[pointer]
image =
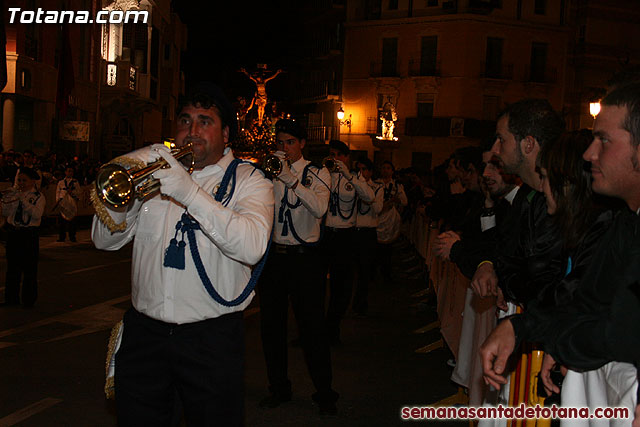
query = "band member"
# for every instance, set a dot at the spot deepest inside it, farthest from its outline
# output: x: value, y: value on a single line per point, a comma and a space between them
x: 366, y: 237
x: 193, y: 248
x: 23, y: 210
x: 293, y: 272
x: 389, y: 220
x: 67, y: 195
x: 346, y: 189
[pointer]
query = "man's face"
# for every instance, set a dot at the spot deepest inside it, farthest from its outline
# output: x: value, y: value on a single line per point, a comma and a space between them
x: 291, y: 145
x: 453, y: 172
x: 336, y: 154
x: 469, y: 179
x: 24, y: 182
x: 203, y: 127
x: 386, y: 171
x: 28, y: 159
x: 68, y: 173
x: 507, y: 148
x: 614, y: 161
x: 492, y: 175
x: 364, y: 171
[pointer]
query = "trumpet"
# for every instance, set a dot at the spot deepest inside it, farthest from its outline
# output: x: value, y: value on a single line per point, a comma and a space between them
x: 117, y: 186
x: 9, y: 195
x: 330, y: 163
x: 272, y: 165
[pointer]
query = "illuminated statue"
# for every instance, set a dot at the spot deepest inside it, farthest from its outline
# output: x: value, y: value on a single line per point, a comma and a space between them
x: 241, y: 111
x: 260, y: 97
x: 388, y: 116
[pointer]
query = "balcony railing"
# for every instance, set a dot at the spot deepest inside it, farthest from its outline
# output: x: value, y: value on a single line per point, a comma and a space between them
x: 503, y: 72
x: 384, y: 69
x: 322, y: 133
x: 418, y: 68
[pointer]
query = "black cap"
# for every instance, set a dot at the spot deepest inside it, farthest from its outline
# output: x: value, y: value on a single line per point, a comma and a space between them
x: 208, y: 94
x: 291, y: 127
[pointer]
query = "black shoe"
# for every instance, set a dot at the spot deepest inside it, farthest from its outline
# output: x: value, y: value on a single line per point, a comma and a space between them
x: 274, y: 400
x: 328, y: 409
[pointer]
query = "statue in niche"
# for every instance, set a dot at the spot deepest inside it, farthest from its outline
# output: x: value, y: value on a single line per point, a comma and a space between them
x: 388, y: 116
x: 259, y: 77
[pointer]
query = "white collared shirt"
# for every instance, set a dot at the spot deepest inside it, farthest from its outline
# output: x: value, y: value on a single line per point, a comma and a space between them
x: 66, y: 185
x: 345, y: 194
x: 306, y: 205
x: 31, y: 203
x: 231, y: 240
x: 367, y: 213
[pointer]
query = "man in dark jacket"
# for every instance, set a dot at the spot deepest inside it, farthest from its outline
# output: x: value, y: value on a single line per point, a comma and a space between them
x: 602, y: 322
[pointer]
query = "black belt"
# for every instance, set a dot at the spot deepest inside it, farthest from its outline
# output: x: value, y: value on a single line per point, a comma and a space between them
x: 166, y: 328
x: 340, y: 230
x: 292, y: 249
x: 365, y: 228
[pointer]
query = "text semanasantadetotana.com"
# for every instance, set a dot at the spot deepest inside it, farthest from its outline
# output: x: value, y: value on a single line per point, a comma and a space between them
x: 518, y: 412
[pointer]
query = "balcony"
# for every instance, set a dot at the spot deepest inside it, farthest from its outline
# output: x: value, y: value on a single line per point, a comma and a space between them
x: 321, y: 133
x: 384, y: 69
x: 548, y: 76
x: 441, y: 127
x: 417, y: 68
x: 503, y: 72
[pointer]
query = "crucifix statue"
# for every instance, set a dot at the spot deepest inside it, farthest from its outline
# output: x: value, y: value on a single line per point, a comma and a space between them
x: 260, y: 78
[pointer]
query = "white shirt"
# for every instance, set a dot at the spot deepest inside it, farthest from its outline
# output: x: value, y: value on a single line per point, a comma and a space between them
x: 231, y: 240
x: 31, y: 203
x: 367, y: 213
x: 345, y: 193
x: 67, y: 185
x: 307, y: 204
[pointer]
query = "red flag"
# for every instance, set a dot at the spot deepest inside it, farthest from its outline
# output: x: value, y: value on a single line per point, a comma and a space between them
x: 66, y: 80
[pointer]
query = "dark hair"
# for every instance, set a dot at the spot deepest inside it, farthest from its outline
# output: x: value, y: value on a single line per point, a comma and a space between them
x: 29, y: 152
x: 570, y: 183
x: 388, y: 162
x: 533, y: 117
x: 467, y: 156
x: 627, y: 96
x: 32, y: 174
x: 366, y: 162
x: 209, y: 95
x: 340, y: 146
x: 291, y: 127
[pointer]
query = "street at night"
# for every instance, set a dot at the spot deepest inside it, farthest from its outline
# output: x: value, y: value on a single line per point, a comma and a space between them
x: 52, y: 357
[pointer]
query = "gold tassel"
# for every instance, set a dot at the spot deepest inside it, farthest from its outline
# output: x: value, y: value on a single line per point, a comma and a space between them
x: 109, y: 385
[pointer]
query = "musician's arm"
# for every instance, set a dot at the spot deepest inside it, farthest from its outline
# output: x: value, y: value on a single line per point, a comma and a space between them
x: 104, y: 239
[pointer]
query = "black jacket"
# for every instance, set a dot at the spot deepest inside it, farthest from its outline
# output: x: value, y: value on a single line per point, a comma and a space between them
x: 601, y: 323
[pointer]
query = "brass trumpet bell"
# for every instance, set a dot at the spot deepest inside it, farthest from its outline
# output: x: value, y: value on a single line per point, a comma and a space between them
x: 117, y: 186
x: 272, y: 165
x: 330, y: 163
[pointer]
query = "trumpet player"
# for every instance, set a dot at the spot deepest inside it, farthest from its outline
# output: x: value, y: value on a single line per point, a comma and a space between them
x: 339, y: 244
x: 196, y: 237
x: 293, y: 271
x: 23, y: 211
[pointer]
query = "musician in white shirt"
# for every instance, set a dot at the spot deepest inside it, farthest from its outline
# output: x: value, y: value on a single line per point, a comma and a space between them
x: 184, y: 334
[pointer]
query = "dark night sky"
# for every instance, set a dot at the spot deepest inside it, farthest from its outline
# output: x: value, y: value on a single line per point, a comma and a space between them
x: 226, y: 35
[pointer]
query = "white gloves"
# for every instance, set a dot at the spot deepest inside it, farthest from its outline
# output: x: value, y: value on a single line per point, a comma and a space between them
x: 286, y: 176
x: 175, y: 181
x: 344, y: 170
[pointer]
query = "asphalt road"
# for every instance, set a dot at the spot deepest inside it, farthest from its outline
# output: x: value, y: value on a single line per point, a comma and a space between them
x: 52, y: 357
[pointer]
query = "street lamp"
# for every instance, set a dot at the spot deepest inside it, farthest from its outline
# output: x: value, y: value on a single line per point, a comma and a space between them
x: 594, y: 109
x: 343, y: 122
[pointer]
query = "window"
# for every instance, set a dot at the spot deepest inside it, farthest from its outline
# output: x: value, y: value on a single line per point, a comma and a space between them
x: 425, y: 105
x: 389, y: 56
x: 428, y: 55
x: 393, y: 4
x: 134, y: 45
x: 538, y: 62
x: 540, y: 7
x: 493, y: 64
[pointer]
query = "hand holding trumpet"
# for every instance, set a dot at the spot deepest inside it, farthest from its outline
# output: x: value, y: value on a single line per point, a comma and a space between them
x: 175, y: 181
x: 285, y: 175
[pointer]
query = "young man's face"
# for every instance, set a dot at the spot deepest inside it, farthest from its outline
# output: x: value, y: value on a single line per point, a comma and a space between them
x: 336, y: 154
x: 386, y: 171
x: 364, y: 171
x: 203, y: 127
x: 291, y: 145
x: 614, y: 161
x: 68, y: 173
x: 507, y: 148
x: 24, y: 182
x: 492, y: 175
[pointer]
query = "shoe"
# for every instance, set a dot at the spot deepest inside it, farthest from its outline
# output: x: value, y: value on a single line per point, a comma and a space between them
x: 327, y: 409
x: 274, y: 400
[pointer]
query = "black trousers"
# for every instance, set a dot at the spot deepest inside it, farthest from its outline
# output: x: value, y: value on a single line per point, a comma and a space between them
x: 67, y: 227
x: 23, y: 250
x: 201, y: 363
x: 339, y: 250
x: 384, y: 261
x: 366, y: 243
x: 295, y: 274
